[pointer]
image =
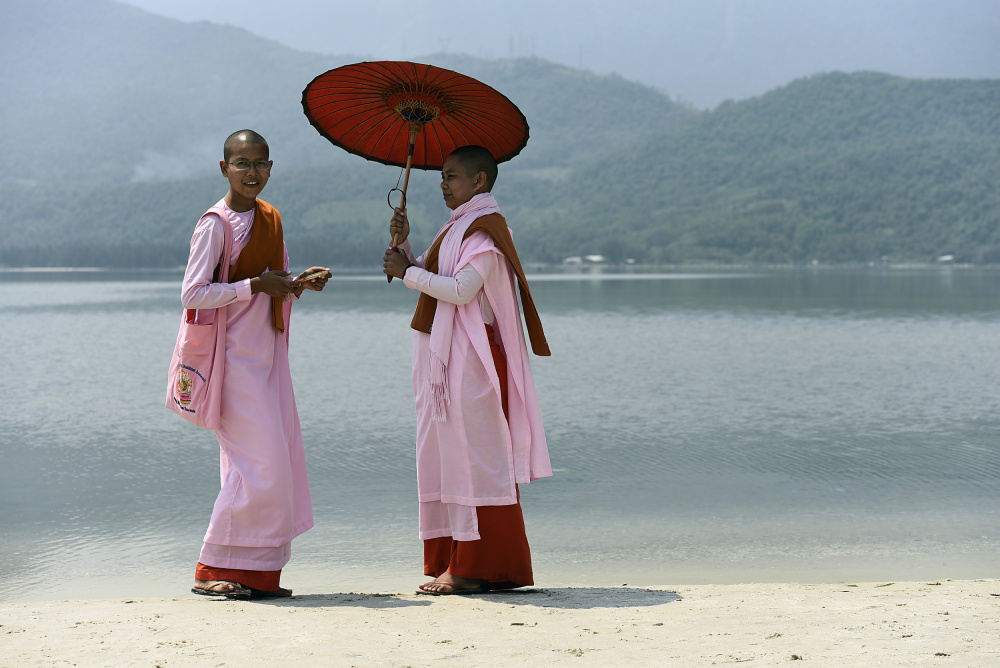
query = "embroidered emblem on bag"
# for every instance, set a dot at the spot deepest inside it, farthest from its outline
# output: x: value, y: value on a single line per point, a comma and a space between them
x: 183, y: 386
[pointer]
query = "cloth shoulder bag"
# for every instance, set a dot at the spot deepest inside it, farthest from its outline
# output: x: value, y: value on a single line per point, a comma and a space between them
x: 194, y: 381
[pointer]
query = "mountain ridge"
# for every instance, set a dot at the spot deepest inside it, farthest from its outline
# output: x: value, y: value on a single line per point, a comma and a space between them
x: 837, y: 167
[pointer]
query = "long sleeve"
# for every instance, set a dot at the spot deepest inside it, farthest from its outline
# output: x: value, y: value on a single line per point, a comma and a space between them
x: 466, y: 285
x: 198, y: 291
x: 458, y: 290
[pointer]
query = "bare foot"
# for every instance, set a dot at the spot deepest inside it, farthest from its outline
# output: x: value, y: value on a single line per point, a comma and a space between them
x: 220, y: 588
x: 452, y: 584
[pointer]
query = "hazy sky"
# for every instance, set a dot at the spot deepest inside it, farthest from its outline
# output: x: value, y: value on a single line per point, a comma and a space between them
x: 701, y: 50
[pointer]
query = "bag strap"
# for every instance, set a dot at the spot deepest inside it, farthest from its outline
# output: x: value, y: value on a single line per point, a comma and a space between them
x: 227, y: 244
x: 227, y: 254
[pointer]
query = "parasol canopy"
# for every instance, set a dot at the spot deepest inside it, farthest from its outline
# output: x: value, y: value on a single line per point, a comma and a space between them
x: 375, y: 109
x: 411, y: 115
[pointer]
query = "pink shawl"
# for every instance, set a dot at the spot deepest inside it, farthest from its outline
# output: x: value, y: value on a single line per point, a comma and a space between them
x: 450, y: 260
x: 453, y: 435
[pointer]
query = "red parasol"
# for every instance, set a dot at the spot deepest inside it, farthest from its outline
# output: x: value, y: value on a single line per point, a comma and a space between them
x: 411, y: 115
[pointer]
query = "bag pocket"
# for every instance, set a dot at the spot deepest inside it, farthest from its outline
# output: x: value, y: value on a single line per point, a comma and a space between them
x: 195, y: 338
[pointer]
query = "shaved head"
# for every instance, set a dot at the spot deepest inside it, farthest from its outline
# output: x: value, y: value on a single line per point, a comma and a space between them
x: 477, y: 159
x: 241, y: 138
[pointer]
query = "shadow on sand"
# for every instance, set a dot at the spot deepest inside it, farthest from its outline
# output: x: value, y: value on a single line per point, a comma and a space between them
x: 585, y: 598
x: 569, y: 598
x: 356, y: 600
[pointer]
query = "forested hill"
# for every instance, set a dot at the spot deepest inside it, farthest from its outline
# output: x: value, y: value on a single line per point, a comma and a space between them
x: 836, y: 167
x: 102, y: 93
x: 112, y: 123
x: 112, y: 134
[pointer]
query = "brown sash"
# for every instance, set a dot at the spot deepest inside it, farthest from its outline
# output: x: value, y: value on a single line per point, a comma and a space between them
x: 494, y: 225
x: 264, y: 252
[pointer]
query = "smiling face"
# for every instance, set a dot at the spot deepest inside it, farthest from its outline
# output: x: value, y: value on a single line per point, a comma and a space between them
x: 245, y: 184
x: 457, y: 185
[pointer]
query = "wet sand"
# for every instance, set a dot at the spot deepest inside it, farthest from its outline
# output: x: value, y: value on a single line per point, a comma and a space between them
x: 940, y: 623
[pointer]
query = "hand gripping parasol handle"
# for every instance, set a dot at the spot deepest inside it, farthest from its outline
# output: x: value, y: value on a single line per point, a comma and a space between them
x: 414, y: 131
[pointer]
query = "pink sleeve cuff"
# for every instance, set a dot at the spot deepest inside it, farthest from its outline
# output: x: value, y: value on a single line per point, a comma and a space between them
x: 243, y: 292
x: 410, y: 277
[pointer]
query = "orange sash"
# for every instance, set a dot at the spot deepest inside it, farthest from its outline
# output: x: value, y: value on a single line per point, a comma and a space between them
x: 264, y: 252
x: 494, y: 225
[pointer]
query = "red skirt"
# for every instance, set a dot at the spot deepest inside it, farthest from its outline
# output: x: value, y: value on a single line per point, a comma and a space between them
x: 263, y: 580
x: 501, y: 555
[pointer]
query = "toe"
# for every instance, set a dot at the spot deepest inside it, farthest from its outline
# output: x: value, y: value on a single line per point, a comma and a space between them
x: 440, y: 588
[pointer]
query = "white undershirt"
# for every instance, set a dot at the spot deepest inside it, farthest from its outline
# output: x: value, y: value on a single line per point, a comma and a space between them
x: 462, y: 289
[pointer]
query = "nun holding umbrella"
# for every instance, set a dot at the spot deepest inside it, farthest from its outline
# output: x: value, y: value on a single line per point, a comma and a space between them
x: 479, y: 427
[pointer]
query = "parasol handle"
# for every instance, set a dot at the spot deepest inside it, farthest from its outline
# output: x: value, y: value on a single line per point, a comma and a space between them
x: 414, y: 131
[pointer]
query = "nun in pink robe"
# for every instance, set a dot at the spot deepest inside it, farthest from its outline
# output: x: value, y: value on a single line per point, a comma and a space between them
x: 264, y: 502
x: 469, y: 454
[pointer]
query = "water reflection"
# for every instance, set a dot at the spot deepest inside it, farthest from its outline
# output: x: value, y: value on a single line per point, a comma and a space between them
x: 696, y: 420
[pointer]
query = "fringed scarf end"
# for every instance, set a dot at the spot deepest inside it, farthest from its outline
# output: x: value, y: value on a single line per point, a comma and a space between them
x: 440, y: 396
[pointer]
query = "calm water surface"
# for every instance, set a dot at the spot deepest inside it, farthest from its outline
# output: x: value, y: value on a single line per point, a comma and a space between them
x: 757, y: 426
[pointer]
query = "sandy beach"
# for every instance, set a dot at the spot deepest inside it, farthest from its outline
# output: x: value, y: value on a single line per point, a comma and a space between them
x: 940, y: 623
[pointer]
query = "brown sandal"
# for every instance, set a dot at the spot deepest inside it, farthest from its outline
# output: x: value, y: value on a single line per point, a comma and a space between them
x: 237, y: 593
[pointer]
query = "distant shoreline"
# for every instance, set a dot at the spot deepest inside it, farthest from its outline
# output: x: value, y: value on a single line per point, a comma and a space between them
x: 584, y: 269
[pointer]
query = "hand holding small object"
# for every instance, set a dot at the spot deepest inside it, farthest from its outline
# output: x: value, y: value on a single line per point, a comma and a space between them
x: 273, y: 283
x: 314, y: 278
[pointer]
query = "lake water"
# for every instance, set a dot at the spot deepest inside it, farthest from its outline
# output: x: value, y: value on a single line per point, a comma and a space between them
x: 819, y: 426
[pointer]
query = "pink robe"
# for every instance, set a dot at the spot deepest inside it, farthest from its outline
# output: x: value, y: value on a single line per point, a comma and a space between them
x: 475, y: 457
x: 264, y: 501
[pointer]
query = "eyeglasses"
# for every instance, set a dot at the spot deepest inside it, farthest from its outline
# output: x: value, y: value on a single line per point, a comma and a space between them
x: 245, y: 165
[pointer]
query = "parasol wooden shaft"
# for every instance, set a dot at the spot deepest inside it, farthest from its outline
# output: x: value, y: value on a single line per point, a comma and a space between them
x: 406, y: 182
x: 414, y: 131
